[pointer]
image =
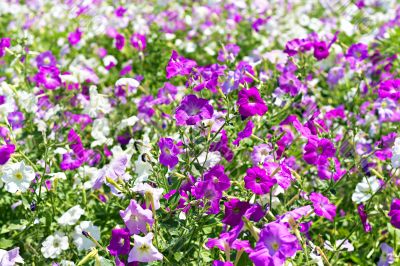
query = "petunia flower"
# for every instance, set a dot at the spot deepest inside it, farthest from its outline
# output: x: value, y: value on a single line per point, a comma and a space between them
x: 138, y: 41
x: 364, y: 218
x: 119, y: 242
x: 4, y: 43
x: 317, y: 151
x: 169, y: 152
x: 216, y: 175
x: 179, y: 65
x: 10, y: 257
x: 234, y: 210
x: 192, y: 110
x: 365, y: 189
x: 80, y: 240
x: 136, y: 218
x: 17, y: 176
x: 143, y: 250
x: 5, y: 153
x: 46, y: 59
x: 71, y: 216
x: 330, y: 170
x: 387, y: 257
x: 256, y: 180
x: 48, y: 77
x: 250, y: 103
x: 394, y: 213
x: 74, y: 37
x: 322, y: 206
x: 54, y: 245
x: 276, y: 243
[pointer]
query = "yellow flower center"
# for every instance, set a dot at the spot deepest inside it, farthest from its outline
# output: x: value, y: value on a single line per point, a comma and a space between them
x: 18, y: 175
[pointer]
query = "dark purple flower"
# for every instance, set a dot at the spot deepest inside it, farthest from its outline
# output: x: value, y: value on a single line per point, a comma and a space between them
x: 119, y: 242
x: 364, y: 218
x: 394, y: 213
x: 250, y: 103
x: 49, y: 77
x: 179, y: 65
x: 317, y: 151
x: 16, y: 119
x: 5, y: 153
x: 192, y: 110
x: 4, y: 43
x: 358, y: 51
x: 276, y: 243
x: 74, y: 37
x: 120, y: 11
x: 234, y: 210
x: 119, y: 41
x: 322, y: 206
x: 245, y: 133
x: 256, y: 180
x: 169, y: 152
x: 138, y: 41
x: 46, y: 59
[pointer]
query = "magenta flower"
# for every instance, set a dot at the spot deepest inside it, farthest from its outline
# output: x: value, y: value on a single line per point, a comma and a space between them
x: 206, y: 191
x: 394, y: 213
x: 321, y: 51
x: 119, y: 242
x: 250, y: 103
x: 4, y: 43
x: 119, y: 41
x: 192, y: 110
x: 280, y: 172
x: 364, y: 218
x: 138, y: 41
x: 322, y: 206
x: 317, y: 151
x: 169, y: 152
x: 390, y: 89
x: 136, y: 218
x: 245, y: 133
x: 218, y: 178
x: 276, y: 243
x: 179, y: 65
x: 49, y: 77
x: 331, y: 170
x: 74, y: 37
x: 16, y: 119
x: 5, y: 153
x: 256, y: 180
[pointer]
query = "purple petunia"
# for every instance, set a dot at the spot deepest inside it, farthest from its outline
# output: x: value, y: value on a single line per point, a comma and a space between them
x: 357, y: 51
x: 74, y: 37
x: 169, y: 152
x: 331, y: 170
x: 317, y: 151
x: 179, y: 65
x: 46, y: 59
x: 234, y: 210
x: 322, y: 206
x: 394, y: 213
x: 245, y: 133
x: 256, y: 180
x: 119, y: 242
x: 364, y: 218
x: 4, y: 43
x: 192, y: 110
x: 276, y: 243
x: 390, y: 89
x: 250, y: 103
x: 119, y: 41
x: 218, y: 178
x: 138, y: 41
x: 5, y: 153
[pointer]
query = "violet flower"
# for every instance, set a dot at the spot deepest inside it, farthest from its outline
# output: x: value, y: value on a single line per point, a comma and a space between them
x: 317, y: 151
x: 136, y: 218
x: 192, y: 110
x: 257, y: 181
x: 169, y: 152
x: 394, y: 213
x: 138, y: 41
x: 179, y: 65
x: 245, y: 133
x: 49, y: 77
x: 5, y: 153
x: 74, y: 37
x: 119, y: 242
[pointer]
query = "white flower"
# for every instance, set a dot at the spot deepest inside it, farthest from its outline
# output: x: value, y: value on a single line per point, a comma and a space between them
x: 365, y: 189
x: 128, y: 122
x: 149, y: 191
x: 17, y: 176
x: 396, y: 153
x: 98, y: 103
x: 143, y: 169
x: 127, y: 82
x: 67, y: 263
x: 143, y: 250
x: 71, y: 216
x: 100, y: 131
x: 81, y: 241
x: 54, y: 245
x: 342, y: 243
x: 209, y: 160
x: 27, y: 101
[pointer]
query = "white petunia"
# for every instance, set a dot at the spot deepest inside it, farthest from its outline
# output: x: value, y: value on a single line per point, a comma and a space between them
x: 149, y: 192
x: 128, y: 122
x: 81, y: 241
x: 340, y: 244
x: 100, y: 132
x: 143, y: 250
x: 27, y: 101
x: 54, y: 245
x: 71, y: 216
x: 396, y: 154
x: 365, y: 189
x: 67, y: 263
x: 98, y: 103
x: 17, y: 176
x: 127, y: 82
